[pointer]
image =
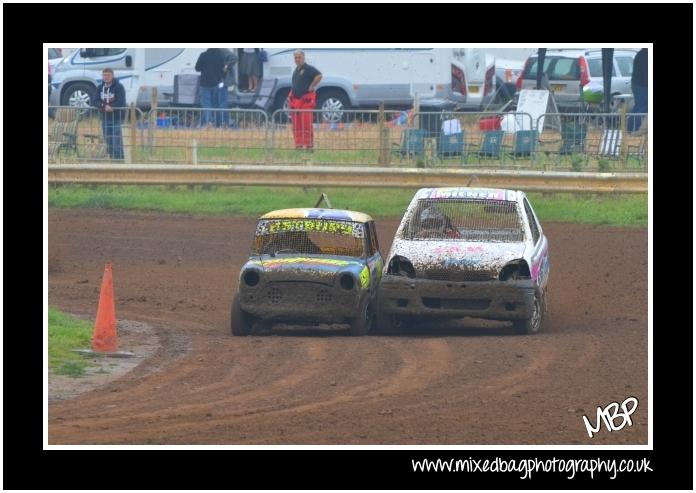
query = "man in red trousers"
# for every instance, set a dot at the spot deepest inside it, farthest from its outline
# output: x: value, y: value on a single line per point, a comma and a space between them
x: 305, y: 80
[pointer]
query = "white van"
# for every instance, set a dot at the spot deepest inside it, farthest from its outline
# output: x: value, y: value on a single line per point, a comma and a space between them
x: 76, y: 78
x: 479, y: 67
x: 352, y: 78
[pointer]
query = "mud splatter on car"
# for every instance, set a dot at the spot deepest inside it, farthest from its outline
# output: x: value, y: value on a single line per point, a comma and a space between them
x: 310, y: 266
x: 467, y: 252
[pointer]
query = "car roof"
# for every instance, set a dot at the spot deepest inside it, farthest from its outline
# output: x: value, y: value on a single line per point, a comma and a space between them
x: 467, y: 193
x: 335, y: 214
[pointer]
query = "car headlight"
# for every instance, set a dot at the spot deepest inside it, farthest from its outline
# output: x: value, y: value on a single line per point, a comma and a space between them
x: 347, y: 282
x: 401, y: 266
x: 251, y: 278
x: 517, y: 269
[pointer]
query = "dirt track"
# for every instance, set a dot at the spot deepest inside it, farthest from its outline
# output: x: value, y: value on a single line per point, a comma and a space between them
x: 462, y: 383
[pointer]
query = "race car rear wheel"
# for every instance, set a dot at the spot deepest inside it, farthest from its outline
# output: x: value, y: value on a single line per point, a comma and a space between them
x: 240, y: 321
x: 532, y: 324
x: 362, y: 324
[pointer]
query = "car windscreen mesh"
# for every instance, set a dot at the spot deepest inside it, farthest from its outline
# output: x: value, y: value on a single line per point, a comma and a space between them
x: 309, y: 236
x: 466, y: 220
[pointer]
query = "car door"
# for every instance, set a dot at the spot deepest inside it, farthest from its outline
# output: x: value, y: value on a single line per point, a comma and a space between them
x: 540, y: 249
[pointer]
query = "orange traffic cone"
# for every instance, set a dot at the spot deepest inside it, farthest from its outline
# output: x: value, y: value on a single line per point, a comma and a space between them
x: 105, y: 339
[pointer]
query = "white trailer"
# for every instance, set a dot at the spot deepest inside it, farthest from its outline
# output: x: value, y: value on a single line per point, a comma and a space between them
x: 443, y: 78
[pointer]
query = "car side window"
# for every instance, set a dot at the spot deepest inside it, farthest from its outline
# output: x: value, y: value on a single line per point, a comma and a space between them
x: 625, y: 65
x: 369, y: 243
x: 532, y: 222
x: 373, y: 238
x: 595, y: 65
x: 107, y: 51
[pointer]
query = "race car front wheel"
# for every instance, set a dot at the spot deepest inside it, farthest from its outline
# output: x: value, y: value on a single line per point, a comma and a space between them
x: 362, y: 324
x: 532, y: 324
x: 240, y: 321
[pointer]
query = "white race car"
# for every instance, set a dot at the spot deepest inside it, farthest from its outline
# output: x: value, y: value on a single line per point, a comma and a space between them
x: 466, y: 252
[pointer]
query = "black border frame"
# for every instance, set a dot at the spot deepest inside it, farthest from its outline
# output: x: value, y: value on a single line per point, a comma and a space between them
x: 26, y: 26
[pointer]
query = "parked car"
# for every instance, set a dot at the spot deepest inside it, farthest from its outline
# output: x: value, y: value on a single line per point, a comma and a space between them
x: 309, y: 266
x: 568, y: 71
x: 49, y: 80
x: 466, y: 252
x: 55, y: 56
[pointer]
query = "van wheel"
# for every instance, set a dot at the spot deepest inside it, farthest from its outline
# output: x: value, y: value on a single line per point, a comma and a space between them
x: 240, y: 321
x: 79, y: 95
x: 332, y: 103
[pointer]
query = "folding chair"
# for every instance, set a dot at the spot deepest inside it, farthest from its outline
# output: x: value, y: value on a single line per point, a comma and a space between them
x: 638, y: 152
x: 451, y: 145
x: 610, y: 143
x: 412, y: 143
x: 573, y: 139
x: 491, y: 145
x: 264, y: 96
x: 525, y: 144
x: 450, y: 142
x: 63, y: 133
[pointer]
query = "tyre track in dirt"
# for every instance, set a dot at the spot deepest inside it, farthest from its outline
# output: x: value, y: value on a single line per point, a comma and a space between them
x: 462, y: 383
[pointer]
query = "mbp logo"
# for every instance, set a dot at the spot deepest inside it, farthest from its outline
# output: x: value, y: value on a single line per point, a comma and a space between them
x: 610, y: 414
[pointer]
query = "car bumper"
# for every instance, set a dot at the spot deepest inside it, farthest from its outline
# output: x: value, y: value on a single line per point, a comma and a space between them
x: 301, y: 302
x: 446, y: 102
x: 493, y: 300
x: 54, y: 98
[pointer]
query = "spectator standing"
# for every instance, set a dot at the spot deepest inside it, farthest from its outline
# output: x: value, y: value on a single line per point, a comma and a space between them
x: 250, y: 66
x: 305, y: 80
x: 211, y: 65
x: 639, y: 86
x: 229, y: 61
x: 110, y: 99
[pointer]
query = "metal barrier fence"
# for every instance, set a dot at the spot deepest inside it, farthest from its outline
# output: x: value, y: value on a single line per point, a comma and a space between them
x: 454, y: 139
x: 88, y: 135
x: 593, y: 142
x: 346, y: 137
x: 195, y: 135
x: 564, y: 141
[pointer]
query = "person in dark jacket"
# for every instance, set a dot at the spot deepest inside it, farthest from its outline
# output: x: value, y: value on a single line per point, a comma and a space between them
x: 211, y: 65
x: 110, y: 99
x: 639, y: 86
